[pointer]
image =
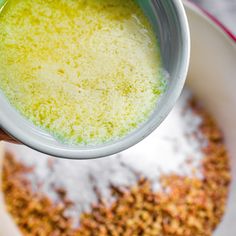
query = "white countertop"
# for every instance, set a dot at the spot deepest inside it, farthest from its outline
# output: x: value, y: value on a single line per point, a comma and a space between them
x: 224, y: 10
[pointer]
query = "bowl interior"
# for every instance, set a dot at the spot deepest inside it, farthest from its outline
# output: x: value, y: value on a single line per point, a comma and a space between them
x: 170, y: 24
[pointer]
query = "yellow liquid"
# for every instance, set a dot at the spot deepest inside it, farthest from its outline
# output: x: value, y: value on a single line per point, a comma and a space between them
x: 87, y: 71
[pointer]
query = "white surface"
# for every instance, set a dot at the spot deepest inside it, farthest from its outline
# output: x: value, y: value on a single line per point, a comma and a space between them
x: 224, y: 10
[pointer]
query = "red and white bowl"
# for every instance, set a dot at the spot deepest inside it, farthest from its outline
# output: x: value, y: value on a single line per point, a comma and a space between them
x: 212, y: 77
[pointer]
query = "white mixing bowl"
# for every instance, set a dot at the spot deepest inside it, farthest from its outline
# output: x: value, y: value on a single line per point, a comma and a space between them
x: 212, y: 77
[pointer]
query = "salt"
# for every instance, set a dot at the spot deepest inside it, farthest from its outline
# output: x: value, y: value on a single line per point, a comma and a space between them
x: 165, y: 151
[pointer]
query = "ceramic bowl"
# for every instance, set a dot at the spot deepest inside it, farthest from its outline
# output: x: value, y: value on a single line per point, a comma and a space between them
x: 171, y: 28
x: 212, y: 79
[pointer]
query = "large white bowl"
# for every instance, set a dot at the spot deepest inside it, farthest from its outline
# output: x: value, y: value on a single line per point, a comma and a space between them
x: 212, y: 77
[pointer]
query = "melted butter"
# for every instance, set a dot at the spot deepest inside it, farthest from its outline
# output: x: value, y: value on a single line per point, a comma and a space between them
x: 87, y: 71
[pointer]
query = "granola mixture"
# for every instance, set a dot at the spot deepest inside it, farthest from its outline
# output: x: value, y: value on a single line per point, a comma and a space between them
x: 186, y: 206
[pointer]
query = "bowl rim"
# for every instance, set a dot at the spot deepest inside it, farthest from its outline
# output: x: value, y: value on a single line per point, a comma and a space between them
x: 217, y: 34
x: 140, y: 133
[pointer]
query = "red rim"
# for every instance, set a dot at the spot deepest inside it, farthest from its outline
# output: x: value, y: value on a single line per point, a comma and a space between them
x: 216, y: 21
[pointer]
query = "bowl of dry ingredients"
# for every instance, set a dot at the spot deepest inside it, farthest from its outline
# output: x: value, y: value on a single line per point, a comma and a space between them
x: 176, y: 182
x: 85, y: 79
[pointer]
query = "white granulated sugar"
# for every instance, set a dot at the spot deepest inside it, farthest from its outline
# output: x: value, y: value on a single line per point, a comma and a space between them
x: 165, y: 151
